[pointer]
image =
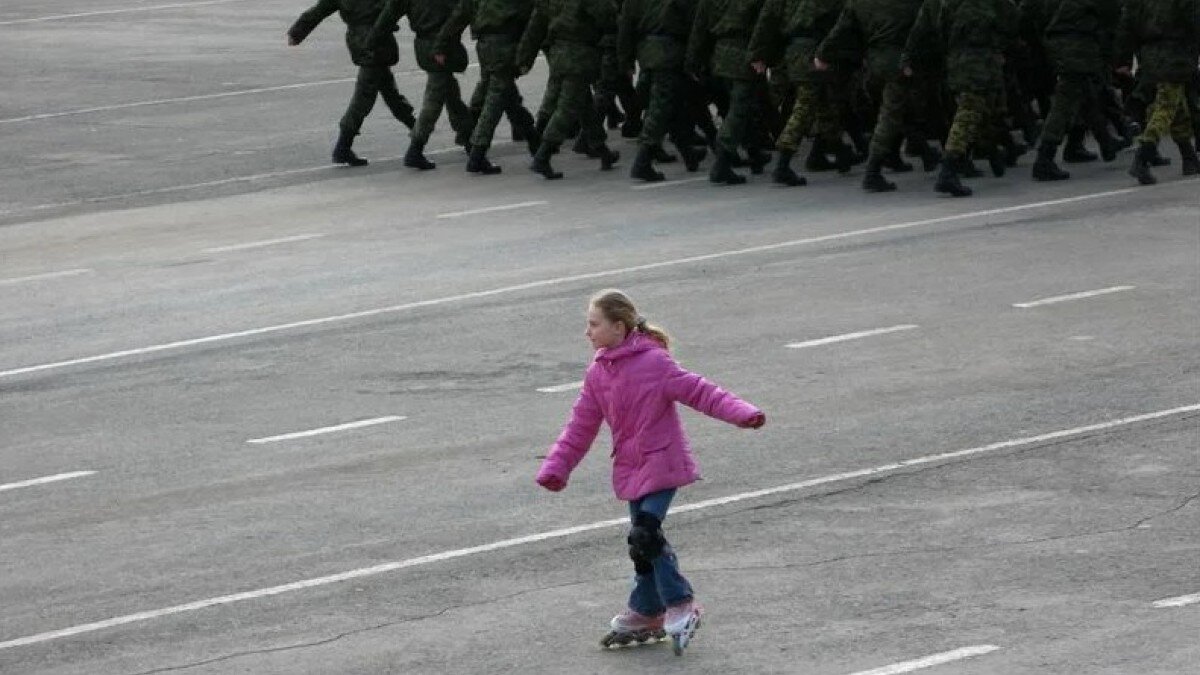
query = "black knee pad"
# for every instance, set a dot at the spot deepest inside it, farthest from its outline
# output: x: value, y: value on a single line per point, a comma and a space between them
x: 646, y: 541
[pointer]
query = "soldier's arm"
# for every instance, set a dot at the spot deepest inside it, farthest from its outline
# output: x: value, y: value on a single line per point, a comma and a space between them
x: 921, y: 38
x: 700, y: 42
x: 766, y: 33
x: 532, y: 39
x: 627, y: 37
x: 310, y: 19
x: 388, y: 20
x: 453, y: 29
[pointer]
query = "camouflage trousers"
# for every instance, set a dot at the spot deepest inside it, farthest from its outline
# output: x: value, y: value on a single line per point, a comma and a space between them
x: 815, y: 112
x: 573, y: 109
x: 663, y: 110
x: 498, y: 96
x: 373, y: 82
x: 975, y: 121
x: 442, y: 91
x: 1075, y: 95
x: 899, y: 107
x: 1168, y: 114
x: 549, y: 98
x: 736, y: 125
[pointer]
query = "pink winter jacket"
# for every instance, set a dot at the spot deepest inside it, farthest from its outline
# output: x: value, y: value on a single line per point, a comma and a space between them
x: 634, y: 387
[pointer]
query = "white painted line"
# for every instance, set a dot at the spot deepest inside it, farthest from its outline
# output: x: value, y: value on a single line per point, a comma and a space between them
x: 850, y: 336
x: 669, y: 183
x: 327, y: 430
x: 126, y: 10
x: 1181, y: 601
x: 490, y: 209
x: 556, y: 281
x: 559, y: 388
x: 1073, y: 296
x: 261, y: 244
x: 569, y: 531
x: 46, y: 479
x: 43, y: 277
x: 930, y: 661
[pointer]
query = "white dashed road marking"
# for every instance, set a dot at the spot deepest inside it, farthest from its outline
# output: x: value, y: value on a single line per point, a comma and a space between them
x: 45, y: 479
x: 1072, y: 296
x: 930, y: 661
x: 850, y: 336
x: 327, y: 430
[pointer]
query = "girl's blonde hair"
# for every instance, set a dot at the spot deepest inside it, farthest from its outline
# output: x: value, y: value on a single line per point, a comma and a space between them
x: 618, y: 308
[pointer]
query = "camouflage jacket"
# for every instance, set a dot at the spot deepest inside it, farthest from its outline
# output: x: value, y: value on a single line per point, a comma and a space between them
x: 496, y: 26
x: 654, y: 33
x: 426, y: 18
x: 1165, y: 36
x: 1077, y: 35
x: 965, y: 38
x: 879, y: 27
x: 573, y: 31
x: 719, y: 39
x: 793, y: 29
x: 368, y: 29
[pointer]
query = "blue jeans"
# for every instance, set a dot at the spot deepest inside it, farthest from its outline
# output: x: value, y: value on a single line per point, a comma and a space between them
x: 665, y: 585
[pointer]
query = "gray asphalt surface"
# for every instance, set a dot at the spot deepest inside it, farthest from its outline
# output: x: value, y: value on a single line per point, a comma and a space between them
x: 139, y: 345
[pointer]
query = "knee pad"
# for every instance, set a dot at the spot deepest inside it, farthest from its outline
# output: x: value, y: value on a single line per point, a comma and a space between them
x: 646, y: 541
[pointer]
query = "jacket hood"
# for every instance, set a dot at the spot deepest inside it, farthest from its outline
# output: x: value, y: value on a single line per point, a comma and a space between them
x: 634, y: 343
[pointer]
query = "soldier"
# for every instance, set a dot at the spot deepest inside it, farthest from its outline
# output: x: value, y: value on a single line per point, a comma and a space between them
x: 374, y: 50
x: 882, y: 27
x: 426, y: 18
x: 1165, y: 36
x: 573, y: 31
x: 1077, y: 35
x: 496, y: 26
x: 795, y: 28
x: 970, y: 36
x: 718, y: 44
x: 654, y: 33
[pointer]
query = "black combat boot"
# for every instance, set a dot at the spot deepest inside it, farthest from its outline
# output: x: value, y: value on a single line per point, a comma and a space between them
x: 948, y: 181
x: 1109, y: 145
x: 844, y: 158
x: 1044, y: 167
x: 722, y: 172
x: 1190, y: 163
x: 541, y: 163
x: 816, y: 160
x: 783, y: 173
x: 1074, y: 152
x: 662, y: 156
x: 758, y: 160
x: 415, y: 157
x: 997, y: 161
x: 643, y: 166
x: 607, y: 157
x: 891, y: 161
x: 873, y: 180
x: 1141, y: 164
x: 478, y: 163
x: 533, y: 139
x: 342, y: 154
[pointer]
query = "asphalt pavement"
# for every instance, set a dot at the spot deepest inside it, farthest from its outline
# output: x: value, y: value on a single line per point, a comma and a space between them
x: 266, y: 415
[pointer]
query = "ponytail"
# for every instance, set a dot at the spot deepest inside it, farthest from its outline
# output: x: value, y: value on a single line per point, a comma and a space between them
x: 618, y: 308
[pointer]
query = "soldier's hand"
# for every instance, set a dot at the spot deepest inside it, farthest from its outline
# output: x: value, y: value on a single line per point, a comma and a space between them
x: 439, y: 59
x: 759, y: 67
x: 818, y: 64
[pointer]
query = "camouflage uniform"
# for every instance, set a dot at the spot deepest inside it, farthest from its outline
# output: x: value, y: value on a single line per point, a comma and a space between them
x: 496, y: 26
x: 1077, y: 36
x: 572, y: 32
x: 881, y: 27
x: 969, y: 37
x: 718, y: 44
x: 426, y: 17
x: 1165, y: 37
x: 374, y: 50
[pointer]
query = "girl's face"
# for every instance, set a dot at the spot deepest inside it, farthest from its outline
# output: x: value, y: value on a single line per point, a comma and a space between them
x: 601, y: 332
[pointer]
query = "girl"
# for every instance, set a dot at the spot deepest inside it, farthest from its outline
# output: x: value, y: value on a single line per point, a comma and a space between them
x: 633, y: 385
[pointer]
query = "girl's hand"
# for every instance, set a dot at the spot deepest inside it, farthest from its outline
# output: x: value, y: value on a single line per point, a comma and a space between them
x: 552, y: 483
x: 755, y: 422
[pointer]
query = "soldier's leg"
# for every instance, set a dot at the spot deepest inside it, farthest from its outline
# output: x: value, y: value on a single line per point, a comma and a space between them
x: 1167, y: 114
x: 461, y: 120
x: 885, y: 141
x: 828, y: 123
x: 659, y: 117
x: 495, y: 85
x: 733, y: 131
x: 1183, y: 132
x: 478, y: 96
x: 549, y: 101
x: 969, y: 118
x: 520, y: 118
x: 401, y: 109
x: 366, y: 89
x: 1069, y: 93
x: 800, y: 121
x: 436, y: 87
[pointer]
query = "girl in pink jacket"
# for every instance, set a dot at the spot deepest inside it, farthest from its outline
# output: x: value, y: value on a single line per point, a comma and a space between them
x: 633, y: 385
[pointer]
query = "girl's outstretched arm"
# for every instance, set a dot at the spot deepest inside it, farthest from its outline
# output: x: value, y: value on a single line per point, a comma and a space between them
x: 574, y: 441
x: 696, y: 392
